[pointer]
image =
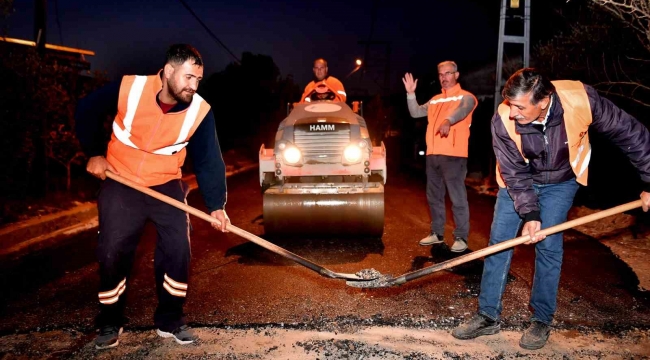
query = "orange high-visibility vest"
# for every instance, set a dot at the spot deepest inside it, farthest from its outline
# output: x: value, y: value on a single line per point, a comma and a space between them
x: 147, y: 146
x: 332, y: 83
x: 577, y: 118
x: 440, y: 107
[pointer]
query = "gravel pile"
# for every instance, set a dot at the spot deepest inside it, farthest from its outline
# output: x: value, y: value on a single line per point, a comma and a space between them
x: 379, y: 281
x: 348, y: 349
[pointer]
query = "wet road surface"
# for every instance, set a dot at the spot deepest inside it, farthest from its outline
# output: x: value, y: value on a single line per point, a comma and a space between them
x: 239, y: 284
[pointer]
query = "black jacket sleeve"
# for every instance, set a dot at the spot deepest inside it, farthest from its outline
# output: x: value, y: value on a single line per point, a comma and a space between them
x: 90, y: 114
x: 515, y: 172
x: 209, y: 166
x: 624, y: 131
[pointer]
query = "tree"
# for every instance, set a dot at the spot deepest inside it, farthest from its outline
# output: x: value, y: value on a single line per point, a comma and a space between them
x: 37, y: 101
x: 633, y: 13
x: 609, y: 54
x: 249, y: 100
x: 636, y: 15
x: 61, y: 144
x: 6, y: 8
x: 63, y: 147
x: 379, y: 115
x: 597, y: 47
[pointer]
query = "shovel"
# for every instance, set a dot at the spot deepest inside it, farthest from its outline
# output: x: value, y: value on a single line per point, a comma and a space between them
x: 246, y: 235
x: 386, y: 281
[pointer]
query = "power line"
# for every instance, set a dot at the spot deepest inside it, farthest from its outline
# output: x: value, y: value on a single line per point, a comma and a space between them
x: 209, y: 31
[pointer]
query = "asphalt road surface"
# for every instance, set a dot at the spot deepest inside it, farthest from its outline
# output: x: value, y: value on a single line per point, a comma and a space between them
x: 238, y: 285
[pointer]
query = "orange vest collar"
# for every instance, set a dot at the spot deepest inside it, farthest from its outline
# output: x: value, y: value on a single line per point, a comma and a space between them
x: 453, y: 91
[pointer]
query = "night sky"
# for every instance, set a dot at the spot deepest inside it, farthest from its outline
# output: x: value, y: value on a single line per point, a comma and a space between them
x: 131, y: 37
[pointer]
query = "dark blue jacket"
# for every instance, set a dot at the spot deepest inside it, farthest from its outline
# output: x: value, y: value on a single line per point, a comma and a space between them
x: 547, y: 151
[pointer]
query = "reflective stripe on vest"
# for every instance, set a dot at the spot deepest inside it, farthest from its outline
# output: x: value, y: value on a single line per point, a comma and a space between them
x: 190, y: 117
x: 135, y: 93
x: 577, y: 118
x: 441, y: 107
x: 447, y: 99
x: 132, y: 105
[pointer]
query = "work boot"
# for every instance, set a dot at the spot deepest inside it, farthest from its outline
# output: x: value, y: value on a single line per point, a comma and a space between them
x: 477, y: 326
x: 535, y: 336
x: 109, y: 337
x: 182, y: 335
x: 460, y: 244
x: 431, y: 239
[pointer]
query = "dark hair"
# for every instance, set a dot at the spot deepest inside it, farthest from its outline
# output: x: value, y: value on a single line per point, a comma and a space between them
x: 177, y: 54
x: 528, y: 80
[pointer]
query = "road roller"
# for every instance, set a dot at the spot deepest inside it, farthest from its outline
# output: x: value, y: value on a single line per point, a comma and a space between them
x: 323, y: 175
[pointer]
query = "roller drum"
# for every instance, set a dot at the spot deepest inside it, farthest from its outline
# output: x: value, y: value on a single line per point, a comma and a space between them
x: 324, y: 214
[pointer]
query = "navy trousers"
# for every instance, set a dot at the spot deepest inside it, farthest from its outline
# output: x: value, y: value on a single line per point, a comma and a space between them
x: 123, y: 213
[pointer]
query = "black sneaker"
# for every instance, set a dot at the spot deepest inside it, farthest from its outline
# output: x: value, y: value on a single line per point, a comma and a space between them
x: 183, y: 335
x: 477, y: 326
x: 109, y: 337
x: 535, y: 336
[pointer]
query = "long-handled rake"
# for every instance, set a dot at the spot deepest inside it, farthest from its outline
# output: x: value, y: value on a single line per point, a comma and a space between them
x: 386, y: 281
x: 359, y: 276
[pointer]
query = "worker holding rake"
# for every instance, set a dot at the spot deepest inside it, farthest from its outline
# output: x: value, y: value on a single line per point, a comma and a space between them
x: 156, y: 118
x: 541, y: 142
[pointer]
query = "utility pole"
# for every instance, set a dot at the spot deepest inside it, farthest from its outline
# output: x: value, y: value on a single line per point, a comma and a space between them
x: 511, y: 39
x: 40, y: 25
x: 375, y: 63
x: 40, y: 38
x: 515, y: 10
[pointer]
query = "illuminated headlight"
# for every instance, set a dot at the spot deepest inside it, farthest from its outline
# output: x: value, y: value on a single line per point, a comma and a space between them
x: 352, y: 153
x: 282, y: 146
x: 291, y: 155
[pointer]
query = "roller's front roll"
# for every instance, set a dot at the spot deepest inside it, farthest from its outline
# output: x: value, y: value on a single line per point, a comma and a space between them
x: 325, y: 213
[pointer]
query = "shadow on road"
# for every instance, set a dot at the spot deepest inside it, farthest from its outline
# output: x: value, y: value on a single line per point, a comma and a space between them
x: 331, y: 250
x: 30, y: 272
x: 441, y: 253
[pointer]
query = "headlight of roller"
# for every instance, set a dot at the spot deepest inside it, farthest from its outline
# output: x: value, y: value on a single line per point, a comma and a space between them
x: 291, y: 155
x: 352, y: 153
